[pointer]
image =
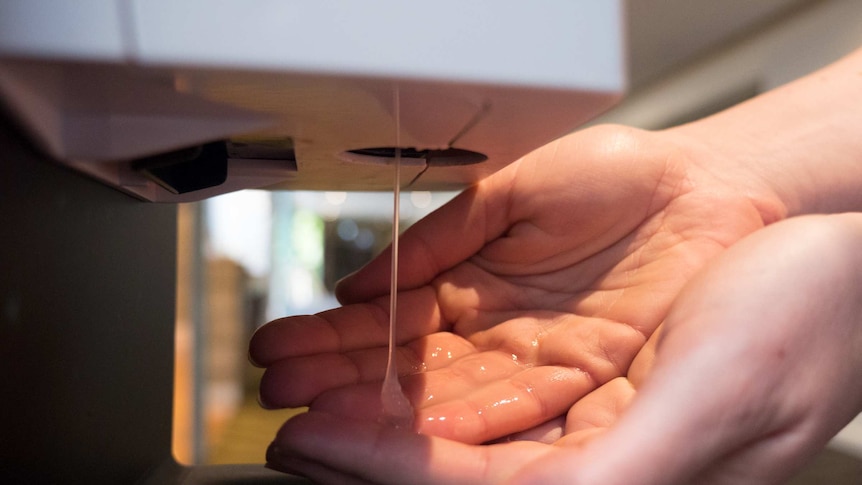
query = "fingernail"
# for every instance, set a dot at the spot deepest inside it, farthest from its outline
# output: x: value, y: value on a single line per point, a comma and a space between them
x: 273, y: 452
x: 262, y: 403
x: 280, y: 460
x: 253, y: 362
x: 275, y: 459
x: 339, y: 289
x: 344, y: 278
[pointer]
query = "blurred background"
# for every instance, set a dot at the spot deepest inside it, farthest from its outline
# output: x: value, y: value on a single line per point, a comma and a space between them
x: 246, y: 258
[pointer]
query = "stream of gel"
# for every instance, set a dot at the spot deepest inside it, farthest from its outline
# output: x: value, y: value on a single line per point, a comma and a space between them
x: 397, y: 411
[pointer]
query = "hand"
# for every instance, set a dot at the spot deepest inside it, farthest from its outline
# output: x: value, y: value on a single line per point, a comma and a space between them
x: 739, y: 392
x: 544, y: 282
x: 524, y: 294
x: 757, y: 367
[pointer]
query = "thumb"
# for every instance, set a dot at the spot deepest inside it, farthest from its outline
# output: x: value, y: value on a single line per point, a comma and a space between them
x: 449, y: 235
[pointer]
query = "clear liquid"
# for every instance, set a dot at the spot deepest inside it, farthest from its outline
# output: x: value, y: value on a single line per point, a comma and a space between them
x: 397, y: 411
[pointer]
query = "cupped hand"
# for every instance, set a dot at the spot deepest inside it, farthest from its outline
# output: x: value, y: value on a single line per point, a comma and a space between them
x: 755, y: 367
x: 525, y: 293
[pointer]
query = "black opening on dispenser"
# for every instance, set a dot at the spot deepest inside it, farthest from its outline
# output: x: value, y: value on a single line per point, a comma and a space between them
x: 188, y: 169
x: 448, y: 157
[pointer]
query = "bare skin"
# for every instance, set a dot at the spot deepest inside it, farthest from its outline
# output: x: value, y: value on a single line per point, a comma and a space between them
x: 493, y: 300
x: 799, y: 380
x: 530, y: 307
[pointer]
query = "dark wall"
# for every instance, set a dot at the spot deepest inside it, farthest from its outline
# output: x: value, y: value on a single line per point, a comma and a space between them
x: 87, y: 278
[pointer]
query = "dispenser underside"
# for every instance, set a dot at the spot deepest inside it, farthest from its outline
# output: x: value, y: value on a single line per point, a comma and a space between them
x: 179, y: 101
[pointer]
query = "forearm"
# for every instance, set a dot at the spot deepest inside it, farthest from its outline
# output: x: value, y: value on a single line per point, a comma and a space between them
x: 801, y: 141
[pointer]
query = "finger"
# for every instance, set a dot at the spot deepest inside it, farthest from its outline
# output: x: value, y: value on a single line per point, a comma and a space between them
x: 486, y: 395
x: 602, y: 348
x: 600, y: 408
x: 592, y: 415
x: 643, y: 361
x: 655, y: 430
x: 548, y: 432
x: 500, y: 408
x: 488, y: 412
x: 444, y: 238
x: 368, y: 451
x: 296, y: 381
x: 657, y: 438
x: 359, y: 402
x: 347, y: 328
x: 460, y: 377
x: 454, y: 381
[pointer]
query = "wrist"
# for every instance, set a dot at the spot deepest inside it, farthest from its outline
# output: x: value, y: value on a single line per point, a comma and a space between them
x: 735, y: 165
x: 796, y: 149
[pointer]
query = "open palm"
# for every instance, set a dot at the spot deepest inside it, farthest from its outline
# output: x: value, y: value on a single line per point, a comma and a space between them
x: 747, y: 381
x: 522, y: 295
